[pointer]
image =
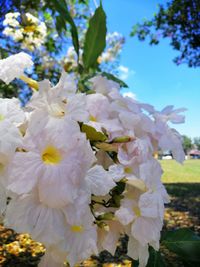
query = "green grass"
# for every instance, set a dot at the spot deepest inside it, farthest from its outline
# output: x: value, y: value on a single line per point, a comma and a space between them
x: 174, y: 172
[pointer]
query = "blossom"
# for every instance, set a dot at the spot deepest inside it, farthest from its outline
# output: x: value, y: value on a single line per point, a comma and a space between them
x: 27, y: 213
x: 109, y: 235
x: 138, y: 252
x: 80, y: 236
x: 13, y: 66
x: 32, y: 33
x: 104, y: 86
x: 53, y: 257
x: 100, y: 116
x: 77, y: 192
x: 99, y: 181
x: 144, y: 216
x: 59, y: 163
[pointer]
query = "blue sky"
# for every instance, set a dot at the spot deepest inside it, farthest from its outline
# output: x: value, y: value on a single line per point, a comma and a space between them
x: 154, y: 78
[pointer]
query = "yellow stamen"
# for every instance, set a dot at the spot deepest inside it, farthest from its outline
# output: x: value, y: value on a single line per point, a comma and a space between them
x: 51, y: 155
x: 128, y: 170
x: 32, y: 83
x: 30, y: 28
x: 92, y: 118
x: 2, y: 117
x: 77, y: 228
x: 137, y: 211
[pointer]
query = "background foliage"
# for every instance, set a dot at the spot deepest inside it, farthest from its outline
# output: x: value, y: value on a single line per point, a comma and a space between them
x: 178, y: 21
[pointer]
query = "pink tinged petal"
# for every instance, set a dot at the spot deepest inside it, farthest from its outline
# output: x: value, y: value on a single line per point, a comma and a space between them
x: 146, y: 230
x: 55, y: 188
x: 27, y: 214
x: 98, y: 106
x: 125, y: 215
x: 116, y: 172
x: 13, y: 66
x: 10, y: 138
x: 137, y: 251
x: 99, y: 181
x: 49, y: 260
x: 76, y: 108
x: 26, y: 170
x: 148, y: 204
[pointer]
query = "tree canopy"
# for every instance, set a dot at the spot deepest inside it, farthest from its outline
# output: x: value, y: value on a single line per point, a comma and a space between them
x: 179, y: 21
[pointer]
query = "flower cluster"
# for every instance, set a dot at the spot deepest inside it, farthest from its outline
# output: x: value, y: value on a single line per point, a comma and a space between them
x: 114, y: 42
x: 79, y: 167
x: 26, y: 29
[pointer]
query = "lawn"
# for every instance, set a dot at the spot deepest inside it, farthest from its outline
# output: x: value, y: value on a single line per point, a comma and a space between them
x: 188, y: 172
x: 183, y: 185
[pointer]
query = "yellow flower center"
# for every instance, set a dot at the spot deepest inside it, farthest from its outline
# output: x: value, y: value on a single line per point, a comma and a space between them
x: 51, y: 155
x: 2, y: 117
x: 30, y: 28
x: 128, y: 170
x: 1, y: 167
x: 77, y: 228
x: 92, y: 118
x: 137, y: 211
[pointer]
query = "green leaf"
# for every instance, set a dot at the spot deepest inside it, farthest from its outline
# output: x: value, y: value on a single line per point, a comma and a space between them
x: 155, y: 259
x: 110, y: 76
x: 95, y: 39
x: 62, y: 9
x: 92, y: 134
x: 185, y: 243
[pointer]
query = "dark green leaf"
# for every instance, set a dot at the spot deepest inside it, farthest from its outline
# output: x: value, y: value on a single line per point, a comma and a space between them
x: 155, y: 259
x: 62, y: 9
x: 183, y: 242
x: 95, y: 39
x: 110, y: 76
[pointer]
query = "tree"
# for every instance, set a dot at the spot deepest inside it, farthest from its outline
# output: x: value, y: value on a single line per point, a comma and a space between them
x: 197, y: 142
x: 65, y: 23
x: 178, y: 20
x: 187, y: 144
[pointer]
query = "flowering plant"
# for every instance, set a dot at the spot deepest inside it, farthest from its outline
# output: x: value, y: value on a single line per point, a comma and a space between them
x: 78, y: 162
x: 27, y: 29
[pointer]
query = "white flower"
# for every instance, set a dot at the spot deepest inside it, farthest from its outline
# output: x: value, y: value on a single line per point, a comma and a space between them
x: 10, y: 138
x: 104, y: 86
x: 56, y: 162
x: 108, y: 236
x: 80, y: 236
x: 13, y: 66
x: 100, y: 114
x: 150, y: 173
x: 99, y: 182
x: 32, y: 33
x: 66, y: 85
x: 134, y: 152
x: 170, y: 114
x: 144, y: 216
x: 27, y: 213
x: 53, y: 257
x: 170, y: 139
x: 11, y: 111
x: 137, y: 251
x: 59, y: 102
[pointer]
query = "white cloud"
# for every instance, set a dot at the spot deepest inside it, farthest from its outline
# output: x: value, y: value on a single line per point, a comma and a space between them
x: 129, y: 94
x: 124, y: 72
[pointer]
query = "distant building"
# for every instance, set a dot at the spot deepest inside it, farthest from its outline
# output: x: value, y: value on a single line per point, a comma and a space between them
x: 194, y: 154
